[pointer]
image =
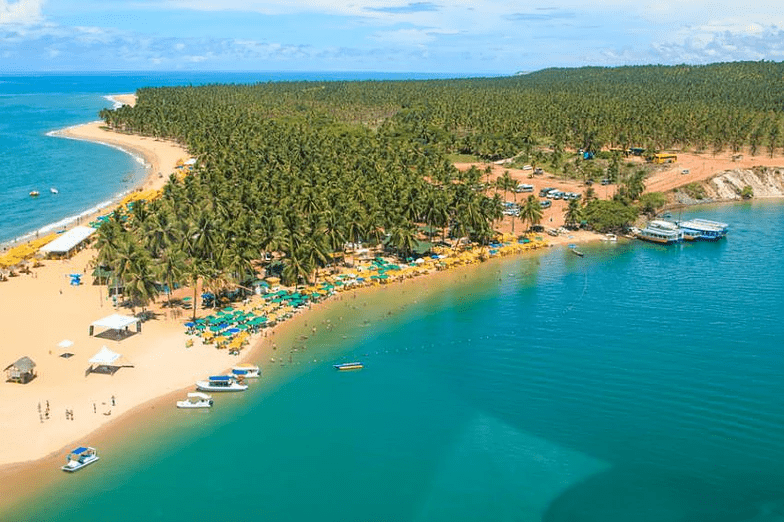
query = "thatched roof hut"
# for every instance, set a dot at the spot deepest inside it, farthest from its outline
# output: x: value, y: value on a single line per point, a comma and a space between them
x: 21, y: 371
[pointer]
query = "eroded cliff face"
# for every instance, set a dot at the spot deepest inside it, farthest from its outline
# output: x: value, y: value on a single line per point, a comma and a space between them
x: 765, y: 182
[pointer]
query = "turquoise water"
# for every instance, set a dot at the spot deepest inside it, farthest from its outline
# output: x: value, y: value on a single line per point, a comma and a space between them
x: 639, y: 383
x: 86, y: 175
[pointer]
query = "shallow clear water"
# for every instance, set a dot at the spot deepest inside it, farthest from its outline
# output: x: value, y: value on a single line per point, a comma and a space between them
x: 637, y: 383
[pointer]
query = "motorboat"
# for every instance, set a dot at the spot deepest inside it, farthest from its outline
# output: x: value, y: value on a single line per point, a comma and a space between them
x: 246, y: 370
x: 196, y: 400
x: 221, y: 383
x: 54, y: 190
x: 80, y: 458
x: 34, y: 193
x: 348, y: 366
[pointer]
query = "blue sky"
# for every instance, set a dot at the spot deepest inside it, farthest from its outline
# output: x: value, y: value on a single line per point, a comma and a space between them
x: 444, y: 36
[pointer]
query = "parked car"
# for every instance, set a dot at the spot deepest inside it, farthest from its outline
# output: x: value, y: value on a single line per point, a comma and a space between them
x: 605, y: 181
x: 544, y: 191
x: 524, y: 188
x: 538, y: 170
x: 546, y: 203
x: 527, y: 167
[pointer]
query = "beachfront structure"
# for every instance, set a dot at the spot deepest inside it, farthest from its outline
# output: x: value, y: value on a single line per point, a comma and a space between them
x: 68, y: 243
x: 106, y: 361
x: 21, y: 371
x: 117, y: 323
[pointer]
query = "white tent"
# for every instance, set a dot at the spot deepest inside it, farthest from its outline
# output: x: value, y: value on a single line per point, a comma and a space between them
x: 116, y: 322
x: 104, y: 356
x: 106, y: 361
x: 68, y: 241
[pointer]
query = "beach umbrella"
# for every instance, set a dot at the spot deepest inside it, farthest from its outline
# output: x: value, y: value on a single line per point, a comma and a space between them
x: 190, y: 324
x: 233, y: 330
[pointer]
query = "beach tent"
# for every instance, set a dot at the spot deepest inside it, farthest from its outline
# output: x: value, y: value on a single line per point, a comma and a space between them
x: 118, y: 323
x: 106, y: 361
x: 21, y: 371
x: 68, y: 242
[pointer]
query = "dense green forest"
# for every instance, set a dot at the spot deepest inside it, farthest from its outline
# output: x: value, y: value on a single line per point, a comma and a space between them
x: 297, y: 170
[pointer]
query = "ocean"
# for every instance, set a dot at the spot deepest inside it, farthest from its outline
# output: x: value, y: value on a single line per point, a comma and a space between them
x: 638, y: 383
x: 86, y: 176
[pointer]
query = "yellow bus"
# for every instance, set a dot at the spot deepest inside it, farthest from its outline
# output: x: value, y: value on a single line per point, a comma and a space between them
x: 665, y: 158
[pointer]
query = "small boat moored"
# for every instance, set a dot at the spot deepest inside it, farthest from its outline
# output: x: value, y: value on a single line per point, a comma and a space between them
x: 196, y: 400
x: 79, y: 458
x: 54, y: 190
x: 221, y: 383
x: 246, y: 370
x: 348, y: 366
x: 34, y: 193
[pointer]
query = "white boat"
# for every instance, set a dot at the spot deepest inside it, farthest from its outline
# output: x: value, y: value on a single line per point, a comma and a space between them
x: 348, y: 366
x: 196, y: 400
x: 34, y: 193
x: 246, y: 370
x: 79, y: 458
x: 54, y: 190
x: 221, y: 383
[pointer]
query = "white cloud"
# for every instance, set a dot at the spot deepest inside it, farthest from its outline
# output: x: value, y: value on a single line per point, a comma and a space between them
x: 21, y: 12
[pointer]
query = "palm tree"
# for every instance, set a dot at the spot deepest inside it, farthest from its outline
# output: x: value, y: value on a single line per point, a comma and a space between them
x: 531, y: 211
x: 170, y: 269
x: 402, y: 237
x: 572, y: 213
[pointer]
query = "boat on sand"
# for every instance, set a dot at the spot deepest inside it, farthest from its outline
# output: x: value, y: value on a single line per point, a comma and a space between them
x: 79, y: 458
x: 196, y: 400
x: 221, y: 383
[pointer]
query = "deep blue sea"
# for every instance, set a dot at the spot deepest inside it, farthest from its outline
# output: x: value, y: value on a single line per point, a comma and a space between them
x: 85, y: 175
x: 639, y: 383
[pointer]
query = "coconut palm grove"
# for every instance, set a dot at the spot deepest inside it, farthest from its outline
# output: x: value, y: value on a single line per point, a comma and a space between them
x: 290, y: 177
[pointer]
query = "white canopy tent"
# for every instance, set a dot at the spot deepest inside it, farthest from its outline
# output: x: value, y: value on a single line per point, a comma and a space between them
x: 67, y: 242
x: 106, y: 361
x: 118, y: 323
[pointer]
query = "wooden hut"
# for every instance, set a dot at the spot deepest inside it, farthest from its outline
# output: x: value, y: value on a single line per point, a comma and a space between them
x: 22, y: 371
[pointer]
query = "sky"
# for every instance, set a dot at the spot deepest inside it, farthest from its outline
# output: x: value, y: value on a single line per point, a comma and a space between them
x: 482, y: 37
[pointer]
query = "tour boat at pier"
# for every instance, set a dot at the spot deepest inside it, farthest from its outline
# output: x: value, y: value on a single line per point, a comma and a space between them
x: 221, y: 383
x: 196, y: 400
x: 79, y: 458
x: 660, y: 232
x: 704, y: 229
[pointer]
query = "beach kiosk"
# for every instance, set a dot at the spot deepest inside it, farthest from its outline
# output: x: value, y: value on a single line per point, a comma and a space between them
x: 22, y: 371
x: 106, y: 361
x: 119, y: 324
x: 68, y: 243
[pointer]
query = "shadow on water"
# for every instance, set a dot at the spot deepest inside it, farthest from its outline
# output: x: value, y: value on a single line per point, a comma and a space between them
x: 654, y: 495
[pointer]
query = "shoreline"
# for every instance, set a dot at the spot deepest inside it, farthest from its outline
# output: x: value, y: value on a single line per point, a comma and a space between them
x: 34, y: 444
x: 73, y: 132
x: 21, y: 480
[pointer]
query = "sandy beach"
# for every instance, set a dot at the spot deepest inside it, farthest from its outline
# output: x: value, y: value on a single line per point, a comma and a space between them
x: 41, y: 310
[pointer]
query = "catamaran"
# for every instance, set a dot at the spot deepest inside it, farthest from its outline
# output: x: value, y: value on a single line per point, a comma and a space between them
x: 196, y: 400
x: 79, y: 458
x: 221, y: 383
